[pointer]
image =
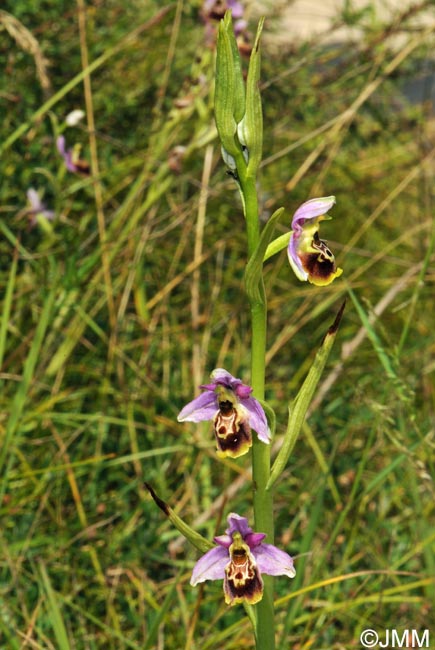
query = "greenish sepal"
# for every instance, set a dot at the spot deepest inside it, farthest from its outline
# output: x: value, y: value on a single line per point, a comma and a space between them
x: 250, y: 129
x: 303, y: 399
x: 254, y: 267
x: 241, y: 135
x: 270, y: 415
x: 225, y: 90
x: 200, y: 542
x: 277, y: 245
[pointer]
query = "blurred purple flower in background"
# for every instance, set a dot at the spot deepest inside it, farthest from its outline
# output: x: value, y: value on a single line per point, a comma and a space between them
x: 37, y: 207
x: 214, y: 10
x: 72, y: 162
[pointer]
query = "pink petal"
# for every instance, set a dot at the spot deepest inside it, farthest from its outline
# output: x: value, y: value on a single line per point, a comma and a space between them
x: 254, y: 539
x: 273, y: 561
x: 223, y: 540
x: 238, y: 524
x: 311, y: 209
x: 222, y: 376
x: 257, y: 419
x: 210, y: 566
x: 202, y: 408
x: 293, y: 257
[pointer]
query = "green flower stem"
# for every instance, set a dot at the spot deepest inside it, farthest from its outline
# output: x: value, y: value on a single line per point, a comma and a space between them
x: 263, y: 499
x: 249, y: 191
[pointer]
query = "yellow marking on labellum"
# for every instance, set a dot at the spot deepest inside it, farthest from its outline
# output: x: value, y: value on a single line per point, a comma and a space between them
x: 320, y: 245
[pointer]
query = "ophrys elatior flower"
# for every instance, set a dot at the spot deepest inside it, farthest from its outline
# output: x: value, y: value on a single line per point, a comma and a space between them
x: 309, y: 256
x: 234, y: 412
x: 239, y: 559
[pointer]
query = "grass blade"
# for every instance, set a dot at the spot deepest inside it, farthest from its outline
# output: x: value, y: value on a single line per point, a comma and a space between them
x: 7, y: 306
x: 54, y: 612
x: 28, y: 371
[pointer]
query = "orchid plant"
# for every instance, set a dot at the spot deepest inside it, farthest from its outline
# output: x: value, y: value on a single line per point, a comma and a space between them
x: 240, y: 557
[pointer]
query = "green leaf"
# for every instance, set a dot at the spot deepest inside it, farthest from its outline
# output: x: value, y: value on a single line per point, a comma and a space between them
x: 160, y: 616
x: 254, y: 267
x: 55, y: 612
x: 19, y: 400
x: 300, y: 406
x: 7, y: 302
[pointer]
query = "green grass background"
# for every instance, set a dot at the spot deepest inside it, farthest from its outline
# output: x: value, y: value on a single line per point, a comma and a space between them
x: 113, y: 315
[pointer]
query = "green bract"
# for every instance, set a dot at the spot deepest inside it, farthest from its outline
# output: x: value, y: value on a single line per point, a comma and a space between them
x: 200, y: 542
x: 300, y: 406
x: 250, y: 129
x: 254, y: 268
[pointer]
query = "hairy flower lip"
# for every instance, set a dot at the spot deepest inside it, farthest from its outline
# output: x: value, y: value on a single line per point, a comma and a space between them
x: 243, y: 548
